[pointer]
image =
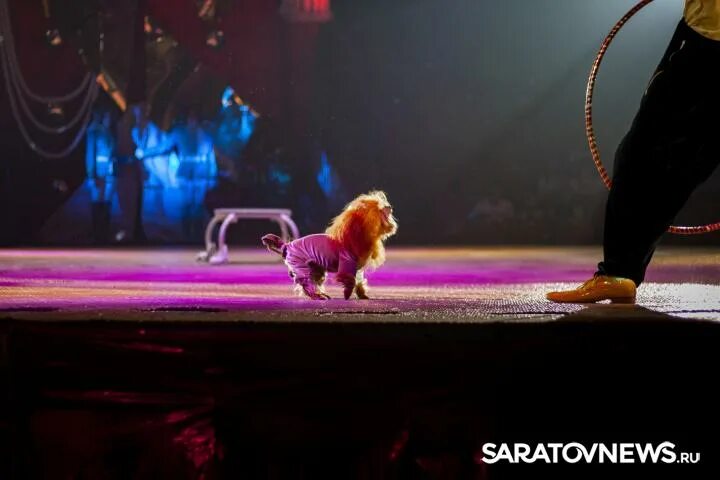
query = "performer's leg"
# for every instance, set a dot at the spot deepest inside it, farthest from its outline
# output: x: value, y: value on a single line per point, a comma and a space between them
x: 101, y: 210
x: 664, y: 157
x: 129, y: 189
x: 139, y: 234
x: 667, y: 153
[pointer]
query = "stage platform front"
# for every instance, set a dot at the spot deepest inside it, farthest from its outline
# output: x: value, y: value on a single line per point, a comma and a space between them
x: 145, y: 364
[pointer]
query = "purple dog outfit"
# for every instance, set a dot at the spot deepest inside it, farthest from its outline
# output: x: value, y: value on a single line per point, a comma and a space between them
x: 308, y: 254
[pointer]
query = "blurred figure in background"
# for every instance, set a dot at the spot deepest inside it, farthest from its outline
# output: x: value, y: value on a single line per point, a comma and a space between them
x: 99, y: 163
x: 153, y: 148
x: 196, y: 172
x: 233, y: 128
x: 233, y: 131
x: 130, y: 177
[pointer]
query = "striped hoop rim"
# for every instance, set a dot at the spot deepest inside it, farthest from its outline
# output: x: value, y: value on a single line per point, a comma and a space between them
x: 590, y: 131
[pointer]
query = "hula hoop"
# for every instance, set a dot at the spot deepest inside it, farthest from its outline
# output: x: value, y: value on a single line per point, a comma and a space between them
x: 590, y: 132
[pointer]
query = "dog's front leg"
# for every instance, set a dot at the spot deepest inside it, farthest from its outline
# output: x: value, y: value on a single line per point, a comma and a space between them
x: 361, y: 286
x: 348, y: 283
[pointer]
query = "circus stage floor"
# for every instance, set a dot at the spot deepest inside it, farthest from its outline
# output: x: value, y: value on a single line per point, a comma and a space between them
x: 416, y: 285
x: 144, y: 364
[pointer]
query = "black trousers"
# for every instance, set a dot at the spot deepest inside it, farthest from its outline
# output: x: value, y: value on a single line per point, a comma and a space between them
x: 672, y: 147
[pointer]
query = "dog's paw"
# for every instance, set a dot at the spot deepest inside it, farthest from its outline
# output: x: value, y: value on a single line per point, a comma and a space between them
x: 363, y: 296
x: 315, y: 295
x: 319, y: 296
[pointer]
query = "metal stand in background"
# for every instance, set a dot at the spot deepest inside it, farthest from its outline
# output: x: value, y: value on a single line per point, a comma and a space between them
x: 218, y: 253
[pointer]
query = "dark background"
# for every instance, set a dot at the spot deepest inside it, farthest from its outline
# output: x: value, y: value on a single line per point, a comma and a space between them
x: 469, y: 113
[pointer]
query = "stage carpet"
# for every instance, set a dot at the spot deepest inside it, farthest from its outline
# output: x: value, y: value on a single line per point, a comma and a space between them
x: 416, y: 285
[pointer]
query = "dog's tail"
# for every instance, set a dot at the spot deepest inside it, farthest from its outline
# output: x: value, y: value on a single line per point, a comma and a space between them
x: 273, y: 243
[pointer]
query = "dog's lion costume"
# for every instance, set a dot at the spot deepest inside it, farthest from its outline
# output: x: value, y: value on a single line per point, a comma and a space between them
x: 353, y: 242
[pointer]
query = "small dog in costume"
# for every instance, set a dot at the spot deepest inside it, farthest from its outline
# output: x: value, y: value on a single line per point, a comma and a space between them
x: 353, y: 242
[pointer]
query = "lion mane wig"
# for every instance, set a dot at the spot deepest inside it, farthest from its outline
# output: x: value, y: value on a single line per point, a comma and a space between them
x: 363, y: 226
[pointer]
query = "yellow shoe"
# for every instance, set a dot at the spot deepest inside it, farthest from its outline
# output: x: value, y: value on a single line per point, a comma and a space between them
x: 598, y: 288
